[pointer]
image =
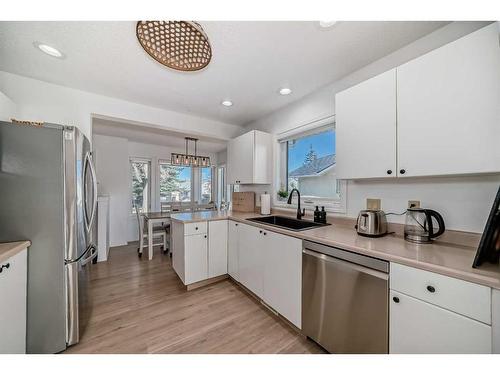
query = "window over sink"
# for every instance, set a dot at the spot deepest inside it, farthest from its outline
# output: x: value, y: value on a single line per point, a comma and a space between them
x: 308, y: 163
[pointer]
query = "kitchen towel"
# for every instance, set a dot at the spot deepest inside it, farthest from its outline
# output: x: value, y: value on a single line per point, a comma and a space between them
x: 265, y: 204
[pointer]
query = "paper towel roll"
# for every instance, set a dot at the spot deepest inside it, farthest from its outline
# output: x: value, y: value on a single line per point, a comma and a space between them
x: 265, y: 204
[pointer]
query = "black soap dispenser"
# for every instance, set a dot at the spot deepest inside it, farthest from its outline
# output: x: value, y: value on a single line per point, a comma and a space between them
x: 316, y: 215
x: 322, y: 215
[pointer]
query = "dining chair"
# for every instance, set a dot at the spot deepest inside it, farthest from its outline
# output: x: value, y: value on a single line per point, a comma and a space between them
x: 158, y: 231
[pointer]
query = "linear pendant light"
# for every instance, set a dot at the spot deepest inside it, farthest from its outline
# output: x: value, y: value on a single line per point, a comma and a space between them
x: 188, y: 160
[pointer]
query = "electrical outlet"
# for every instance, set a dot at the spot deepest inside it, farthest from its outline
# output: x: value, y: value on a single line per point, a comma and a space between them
x: 373, y: 204
x: 413, y: 204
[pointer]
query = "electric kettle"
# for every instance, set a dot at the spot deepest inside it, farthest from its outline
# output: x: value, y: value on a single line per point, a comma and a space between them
x: 419, y: 227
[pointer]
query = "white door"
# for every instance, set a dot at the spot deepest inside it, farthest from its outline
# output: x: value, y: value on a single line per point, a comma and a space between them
x: 449, y: 108
x: 232, y: 249
x: 365, y: 128
x: 240, y: 157
x: 217, y: 248
x: 417, y: 327
x: 196, y: 258
x: 13, y: 304
x: 283, y: 275
x: 250, y: 251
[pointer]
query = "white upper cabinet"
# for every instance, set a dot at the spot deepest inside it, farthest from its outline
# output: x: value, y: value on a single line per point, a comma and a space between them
x: 250, y: 158
x: 436, y: 115
x: 449, y: 108
x: 366, y: 128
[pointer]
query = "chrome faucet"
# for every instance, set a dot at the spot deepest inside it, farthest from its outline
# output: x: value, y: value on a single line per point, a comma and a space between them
x: 299, y: 213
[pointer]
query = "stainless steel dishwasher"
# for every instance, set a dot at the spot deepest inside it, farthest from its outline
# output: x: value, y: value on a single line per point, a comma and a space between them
x: 345, y: 300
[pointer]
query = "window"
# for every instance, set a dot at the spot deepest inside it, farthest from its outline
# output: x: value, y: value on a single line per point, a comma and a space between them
x: 222, y: 186
x: 205, y: 185
x: 140, y: 171
x: 175, y: 183
x: 308, y: 164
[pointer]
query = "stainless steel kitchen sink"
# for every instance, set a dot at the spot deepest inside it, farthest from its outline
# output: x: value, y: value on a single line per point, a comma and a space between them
x: 287, y: 222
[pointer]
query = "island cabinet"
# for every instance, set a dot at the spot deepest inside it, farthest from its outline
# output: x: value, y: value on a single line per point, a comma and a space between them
x: 268, y: 264
x: 13, y: 280
x: 199, y: 250
x: 417, y: 119
x: 431, y: 313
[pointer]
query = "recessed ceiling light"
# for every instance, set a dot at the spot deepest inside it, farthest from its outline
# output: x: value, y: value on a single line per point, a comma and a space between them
x: 49, y: 50
x: 327, y: 23
x: 285, y: 91
x: 227, y: 103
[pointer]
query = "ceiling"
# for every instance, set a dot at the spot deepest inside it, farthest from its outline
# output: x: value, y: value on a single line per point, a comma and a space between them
x: 251, y: 61
x: 151, y: 135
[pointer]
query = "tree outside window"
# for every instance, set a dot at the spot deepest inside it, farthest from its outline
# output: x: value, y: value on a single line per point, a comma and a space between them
x: 175, y: 183
x: 141, y: 186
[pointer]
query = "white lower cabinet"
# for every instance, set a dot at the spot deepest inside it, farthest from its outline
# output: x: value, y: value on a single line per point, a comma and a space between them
x: 196, y: 258
x: 269, y: 265
x: 250, y: 258
x: 199, y: 250
x: 217, y: 248
x: 13, y: 279
x: 431, y: 313
x: 232, y: 249
x: 283, y: 275
x: 418, y: 327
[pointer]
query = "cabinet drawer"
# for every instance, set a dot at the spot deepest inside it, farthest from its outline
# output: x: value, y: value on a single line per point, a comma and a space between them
x: 460, y: 296
x: 418, y: 327
x: 195, y: 228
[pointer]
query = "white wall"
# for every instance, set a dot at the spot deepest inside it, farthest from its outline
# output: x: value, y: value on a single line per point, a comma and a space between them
x: 41, y: 101
x: 113, y: 175
x: 111, y: 156
x: 465, y: 202
x: 8, y: 108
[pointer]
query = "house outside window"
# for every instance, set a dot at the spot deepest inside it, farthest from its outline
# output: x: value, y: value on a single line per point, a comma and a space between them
x: 308, y: 164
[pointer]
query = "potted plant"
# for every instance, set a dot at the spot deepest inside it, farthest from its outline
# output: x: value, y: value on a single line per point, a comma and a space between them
x: 282, y: 194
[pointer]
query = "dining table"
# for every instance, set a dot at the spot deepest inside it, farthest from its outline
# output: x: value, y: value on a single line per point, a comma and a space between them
x: 150, y: 219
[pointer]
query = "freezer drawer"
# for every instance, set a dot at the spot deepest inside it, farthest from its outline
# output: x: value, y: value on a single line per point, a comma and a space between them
x: 344, y: 304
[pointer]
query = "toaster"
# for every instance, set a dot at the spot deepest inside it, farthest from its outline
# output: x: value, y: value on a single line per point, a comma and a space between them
x: 371, y: 223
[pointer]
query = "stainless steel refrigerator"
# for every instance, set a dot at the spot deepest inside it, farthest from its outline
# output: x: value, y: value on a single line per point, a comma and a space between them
x: 48, y: 195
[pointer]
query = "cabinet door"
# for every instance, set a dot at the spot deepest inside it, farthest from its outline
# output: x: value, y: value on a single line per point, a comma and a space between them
x: 250, y: 251
x: 448, y: 108
x: 365, y: 117
x: 217, y: 248
x: 263, y: 157
x: 232, y: 249
x: 196, y: 258
x: 417, y: 327
x: 240, y: 157
x: 13, y: 305
x: 283, y: 275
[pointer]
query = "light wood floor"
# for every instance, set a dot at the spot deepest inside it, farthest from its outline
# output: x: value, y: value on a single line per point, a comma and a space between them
x: 141, y: 306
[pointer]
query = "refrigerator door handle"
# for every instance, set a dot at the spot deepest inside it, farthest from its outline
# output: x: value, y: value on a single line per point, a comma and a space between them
x: 93, y: 255
x: 90, y: 221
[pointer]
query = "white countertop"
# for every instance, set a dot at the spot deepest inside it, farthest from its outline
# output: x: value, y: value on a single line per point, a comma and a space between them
x: 440, y: 257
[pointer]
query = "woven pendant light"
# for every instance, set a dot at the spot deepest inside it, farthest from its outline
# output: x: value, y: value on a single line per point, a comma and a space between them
x: 180, y: 45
